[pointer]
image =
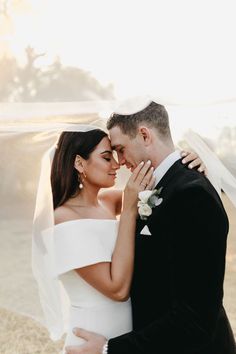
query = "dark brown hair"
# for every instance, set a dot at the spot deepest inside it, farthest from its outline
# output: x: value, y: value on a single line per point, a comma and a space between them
x: 154, y: 115
x: 64, y: 177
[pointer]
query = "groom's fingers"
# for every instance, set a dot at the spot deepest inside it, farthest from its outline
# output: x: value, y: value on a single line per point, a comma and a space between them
x: 72, y: 350
x: 79, y: 332
x: 77, y: 349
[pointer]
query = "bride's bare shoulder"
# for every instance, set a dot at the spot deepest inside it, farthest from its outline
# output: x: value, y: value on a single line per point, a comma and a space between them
x: 63, y: 213
x: 113, y: 199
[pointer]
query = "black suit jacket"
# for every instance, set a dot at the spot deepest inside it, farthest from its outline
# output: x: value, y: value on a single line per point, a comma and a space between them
x: 177, y: 288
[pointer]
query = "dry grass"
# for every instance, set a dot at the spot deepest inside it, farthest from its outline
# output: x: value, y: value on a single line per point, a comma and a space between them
x: 22, y: 335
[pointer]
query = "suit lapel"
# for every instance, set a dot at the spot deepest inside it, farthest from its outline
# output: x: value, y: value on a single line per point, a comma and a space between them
x: 166, y: 185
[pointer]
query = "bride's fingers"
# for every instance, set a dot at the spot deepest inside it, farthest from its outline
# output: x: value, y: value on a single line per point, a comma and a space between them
x: 203, y: 169
x: 151, y: 183
x: 146, y: 179
x: 136, y: 171
x: 195, y: 163
x: 142, y: 173
x: 189, y: 156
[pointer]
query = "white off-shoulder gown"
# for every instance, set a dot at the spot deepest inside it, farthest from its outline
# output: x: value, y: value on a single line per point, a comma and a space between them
x: 80, y: 243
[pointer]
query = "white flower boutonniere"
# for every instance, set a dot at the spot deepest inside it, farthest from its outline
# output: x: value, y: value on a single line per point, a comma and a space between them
x: 148, y: 200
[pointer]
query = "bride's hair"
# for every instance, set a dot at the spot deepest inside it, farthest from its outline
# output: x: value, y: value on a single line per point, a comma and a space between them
x: 64, y: 177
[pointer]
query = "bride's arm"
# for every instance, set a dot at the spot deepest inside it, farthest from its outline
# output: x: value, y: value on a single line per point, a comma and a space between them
x: 113, y: 278
x: 113, y: 199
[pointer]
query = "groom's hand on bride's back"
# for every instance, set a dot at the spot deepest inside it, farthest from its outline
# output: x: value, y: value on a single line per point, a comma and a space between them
x: 93, y: 345
x: 193, y: 161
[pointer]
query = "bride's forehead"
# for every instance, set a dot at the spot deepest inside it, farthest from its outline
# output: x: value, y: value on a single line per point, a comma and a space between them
x: 105, y: 143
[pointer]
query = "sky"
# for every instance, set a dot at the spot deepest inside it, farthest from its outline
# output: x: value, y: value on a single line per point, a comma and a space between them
x: 180, y: 51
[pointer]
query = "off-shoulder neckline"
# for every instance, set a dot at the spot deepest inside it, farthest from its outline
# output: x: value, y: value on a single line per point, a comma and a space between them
x: 85, y: 219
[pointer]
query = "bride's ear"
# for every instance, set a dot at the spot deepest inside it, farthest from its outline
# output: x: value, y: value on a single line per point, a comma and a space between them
x: 78, y: 165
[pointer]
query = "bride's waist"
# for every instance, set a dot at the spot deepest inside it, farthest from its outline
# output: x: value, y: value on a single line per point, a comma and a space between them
x: 91, y: 306
x: 109, y: 320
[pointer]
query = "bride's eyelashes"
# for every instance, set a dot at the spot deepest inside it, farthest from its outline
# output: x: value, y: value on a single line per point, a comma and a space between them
x: 107, y: 158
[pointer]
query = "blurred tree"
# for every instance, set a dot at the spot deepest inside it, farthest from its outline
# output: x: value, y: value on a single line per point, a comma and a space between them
x: 31, y: 83
x: 4, y: 8
x: 8, y: 73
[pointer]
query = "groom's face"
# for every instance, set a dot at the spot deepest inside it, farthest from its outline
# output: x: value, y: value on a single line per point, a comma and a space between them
x: 130, y: 151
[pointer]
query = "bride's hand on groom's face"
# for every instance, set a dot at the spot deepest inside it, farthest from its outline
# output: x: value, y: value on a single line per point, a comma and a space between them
x: 193, y: 160
x: 141, y: 179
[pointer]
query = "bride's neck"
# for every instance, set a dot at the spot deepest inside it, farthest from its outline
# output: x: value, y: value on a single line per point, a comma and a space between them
x: 87, y: 196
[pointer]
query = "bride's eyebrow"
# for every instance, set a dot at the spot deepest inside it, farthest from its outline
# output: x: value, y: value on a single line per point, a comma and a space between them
x: 106, y: 152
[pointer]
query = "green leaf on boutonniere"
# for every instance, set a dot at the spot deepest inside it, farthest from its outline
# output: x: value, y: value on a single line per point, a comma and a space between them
x: 147, y: 200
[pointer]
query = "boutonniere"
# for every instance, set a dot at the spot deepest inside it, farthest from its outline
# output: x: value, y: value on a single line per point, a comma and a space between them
x: 147, y: 201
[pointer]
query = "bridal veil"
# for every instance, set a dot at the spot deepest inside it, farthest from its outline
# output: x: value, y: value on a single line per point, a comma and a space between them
x: 28, y: 134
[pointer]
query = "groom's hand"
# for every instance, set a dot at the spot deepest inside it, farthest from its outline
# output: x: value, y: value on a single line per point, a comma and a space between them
x: 94, y: 343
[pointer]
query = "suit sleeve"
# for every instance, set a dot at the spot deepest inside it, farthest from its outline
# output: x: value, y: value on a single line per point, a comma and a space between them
x: 196, y: 280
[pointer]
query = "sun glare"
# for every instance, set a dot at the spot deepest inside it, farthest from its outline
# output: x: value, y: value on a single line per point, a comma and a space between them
x: 185, y: 58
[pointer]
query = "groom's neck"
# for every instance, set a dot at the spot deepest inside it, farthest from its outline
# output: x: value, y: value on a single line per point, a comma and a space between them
x: 160, y: 152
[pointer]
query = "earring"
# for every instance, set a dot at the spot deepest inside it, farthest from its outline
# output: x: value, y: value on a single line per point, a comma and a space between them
x: 81, y: 186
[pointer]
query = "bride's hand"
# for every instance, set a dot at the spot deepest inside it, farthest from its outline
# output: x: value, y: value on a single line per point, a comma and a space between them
x: 193, y: 160
x: 142, y: 178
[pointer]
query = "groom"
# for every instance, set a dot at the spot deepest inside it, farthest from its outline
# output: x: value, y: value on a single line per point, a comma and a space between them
x: 177, y: 287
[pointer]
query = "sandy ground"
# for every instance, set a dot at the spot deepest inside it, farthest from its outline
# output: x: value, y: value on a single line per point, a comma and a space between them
x: 20, y: 334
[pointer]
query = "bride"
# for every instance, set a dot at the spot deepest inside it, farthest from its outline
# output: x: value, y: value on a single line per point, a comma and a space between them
x: 87, y: 249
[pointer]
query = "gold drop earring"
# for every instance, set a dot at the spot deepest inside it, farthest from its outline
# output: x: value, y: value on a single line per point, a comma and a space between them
x: 81, y: 186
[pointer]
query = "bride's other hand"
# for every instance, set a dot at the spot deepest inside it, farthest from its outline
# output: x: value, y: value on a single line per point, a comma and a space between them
x: 193, y: 160
x: 142, y: 178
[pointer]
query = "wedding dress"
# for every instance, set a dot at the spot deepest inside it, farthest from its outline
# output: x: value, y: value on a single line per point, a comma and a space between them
x: 79, y: 243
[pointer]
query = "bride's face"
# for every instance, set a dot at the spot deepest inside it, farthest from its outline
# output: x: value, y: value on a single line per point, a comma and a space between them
x: 101, y: 167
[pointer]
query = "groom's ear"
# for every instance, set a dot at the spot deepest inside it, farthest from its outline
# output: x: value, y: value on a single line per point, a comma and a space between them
x: 145, y: 135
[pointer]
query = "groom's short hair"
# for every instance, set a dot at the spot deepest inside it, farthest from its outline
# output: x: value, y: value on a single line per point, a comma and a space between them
x: 154, y: 116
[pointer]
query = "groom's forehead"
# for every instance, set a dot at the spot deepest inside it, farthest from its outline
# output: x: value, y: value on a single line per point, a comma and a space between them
x: 116, y: 136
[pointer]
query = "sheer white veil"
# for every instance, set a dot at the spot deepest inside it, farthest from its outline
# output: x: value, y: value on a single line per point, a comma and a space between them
x: 52, y: 296
x: 28, y: 135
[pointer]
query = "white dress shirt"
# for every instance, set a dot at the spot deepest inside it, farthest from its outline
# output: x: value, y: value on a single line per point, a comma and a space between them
x: 164, y: 166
